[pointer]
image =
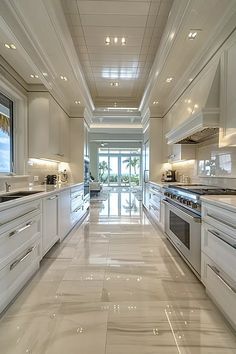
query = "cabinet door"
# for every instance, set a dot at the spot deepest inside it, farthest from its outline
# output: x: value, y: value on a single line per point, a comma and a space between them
x: 55, y: 128
x: 228, y: 96
x: 64, y: 214
x: 65, y: 137
x: 50, y: 223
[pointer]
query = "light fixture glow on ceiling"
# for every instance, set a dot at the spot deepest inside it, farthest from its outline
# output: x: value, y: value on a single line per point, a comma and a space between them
x: 10, y: 46
x: 45, y: 74
x: 114, y: 84
x: 155, y: 102
x: 107, y: 40
x: 77, y: 102
x: 63, y: 78
x: 192, y: 34
x: 169, y: 79
x: 115, y: 40
x: 34, y: 76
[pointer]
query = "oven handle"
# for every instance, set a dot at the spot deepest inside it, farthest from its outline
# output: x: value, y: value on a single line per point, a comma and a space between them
x: 194, y: 218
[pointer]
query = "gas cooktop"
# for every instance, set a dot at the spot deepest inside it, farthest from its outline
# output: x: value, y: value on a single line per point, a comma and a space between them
x: 201, y: 189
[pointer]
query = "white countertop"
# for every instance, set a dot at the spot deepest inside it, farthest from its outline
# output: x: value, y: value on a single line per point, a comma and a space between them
x: 164, y: 184
x: 224, y: 201
x: 44, y: 190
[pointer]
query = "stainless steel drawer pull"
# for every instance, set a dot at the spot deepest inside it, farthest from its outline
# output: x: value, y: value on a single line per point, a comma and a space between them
x: 221, y: 237
x: 217, y: 273
x: 51, y: 198
x: 14, y: 264
x: 17, y: 231
x: 221, y: 221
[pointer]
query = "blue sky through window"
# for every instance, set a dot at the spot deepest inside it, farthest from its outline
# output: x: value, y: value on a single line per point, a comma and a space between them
x: 5, y: 145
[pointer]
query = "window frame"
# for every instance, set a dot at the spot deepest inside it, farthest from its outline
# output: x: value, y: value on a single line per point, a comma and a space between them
x: 12, y: 143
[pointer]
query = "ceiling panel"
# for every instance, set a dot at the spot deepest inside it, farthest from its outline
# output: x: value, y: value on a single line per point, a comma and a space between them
x: 140, y: 22
x: 113, y: 7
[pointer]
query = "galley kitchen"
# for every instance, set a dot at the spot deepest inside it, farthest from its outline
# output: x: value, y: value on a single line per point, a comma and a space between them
x: 117, y: 176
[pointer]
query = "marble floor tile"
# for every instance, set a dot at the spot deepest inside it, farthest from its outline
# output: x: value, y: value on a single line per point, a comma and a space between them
x: 115, y: 285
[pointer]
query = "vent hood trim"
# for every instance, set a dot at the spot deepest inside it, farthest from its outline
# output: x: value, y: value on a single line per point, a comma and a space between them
x: 206, y: 118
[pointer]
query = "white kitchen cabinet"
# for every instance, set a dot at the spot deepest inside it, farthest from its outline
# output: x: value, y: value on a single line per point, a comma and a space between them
x: 181, y: 152
x: 218, y: 257
x: 76, y: 204
x: 156, y: 208
x: 227, y: 136
x: 20, y: 248
x: 50, y: 233
x: 64, y: 204
x: 48, y: 128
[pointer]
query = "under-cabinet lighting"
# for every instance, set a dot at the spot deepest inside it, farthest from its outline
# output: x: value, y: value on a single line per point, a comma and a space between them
x: 107, y: 40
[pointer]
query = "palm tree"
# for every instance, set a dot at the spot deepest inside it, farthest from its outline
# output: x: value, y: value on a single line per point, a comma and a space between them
x: 103, y: 167
x: 133, y: 162
x: 4, y: 124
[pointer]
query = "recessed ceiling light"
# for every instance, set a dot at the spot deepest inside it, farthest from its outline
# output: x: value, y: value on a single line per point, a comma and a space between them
x: 123, y: 41
x: 114, y: 84
x: 34, y: 76
x: 63, y: 78
x: 155, y: 102
x: 10, y: 46
x: 192, y: 34
x: 107, y: 40
x: 115, y: 40
x: 77, y: 102
x: 45, y: 74
x: 169, y: 79
x: 191, y: 79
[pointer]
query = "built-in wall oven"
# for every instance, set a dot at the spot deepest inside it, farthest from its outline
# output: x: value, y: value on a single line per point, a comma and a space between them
x: 183, y: 228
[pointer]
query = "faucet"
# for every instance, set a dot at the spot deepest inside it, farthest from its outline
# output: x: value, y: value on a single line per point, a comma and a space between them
x: 8, y: 186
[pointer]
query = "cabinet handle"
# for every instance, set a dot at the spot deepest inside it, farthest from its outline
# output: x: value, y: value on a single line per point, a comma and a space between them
x: 15, y: 263
x: 15, y: 232
x: 51, y: 198
x: 217, y: 273
x: 221, y: 221
x: 221, y: 237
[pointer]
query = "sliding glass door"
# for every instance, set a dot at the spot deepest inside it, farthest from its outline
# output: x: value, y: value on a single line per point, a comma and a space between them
x: 118, y: 168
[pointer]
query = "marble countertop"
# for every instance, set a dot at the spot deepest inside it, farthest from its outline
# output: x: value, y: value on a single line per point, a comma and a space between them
x: 44, y: 190
x: 224, y: 201
x: 163, y: 184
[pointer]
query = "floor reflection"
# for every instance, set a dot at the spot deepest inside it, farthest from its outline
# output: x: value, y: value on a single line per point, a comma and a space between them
x: 116, y: 203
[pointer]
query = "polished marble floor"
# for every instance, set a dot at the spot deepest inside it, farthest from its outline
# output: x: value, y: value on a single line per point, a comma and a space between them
x: 114, y: 286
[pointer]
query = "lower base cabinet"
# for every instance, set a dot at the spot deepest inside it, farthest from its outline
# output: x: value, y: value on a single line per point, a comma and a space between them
x: 50, y: 233
x: 64, y: 224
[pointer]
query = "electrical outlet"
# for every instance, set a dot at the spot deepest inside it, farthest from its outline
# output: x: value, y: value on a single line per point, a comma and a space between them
x: 36, y: 178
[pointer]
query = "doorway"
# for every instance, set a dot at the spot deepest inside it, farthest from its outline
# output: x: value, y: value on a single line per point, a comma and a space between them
x: 119, y: 168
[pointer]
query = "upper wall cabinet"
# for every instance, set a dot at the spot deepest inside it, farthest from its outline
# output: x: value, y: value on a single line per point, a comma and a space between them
x: 48, y: 128
x: 228, y: 95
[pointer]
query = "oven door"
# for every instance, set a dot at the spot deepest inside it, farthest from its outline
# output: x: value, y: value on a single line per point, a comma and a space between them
x: 183, y: 228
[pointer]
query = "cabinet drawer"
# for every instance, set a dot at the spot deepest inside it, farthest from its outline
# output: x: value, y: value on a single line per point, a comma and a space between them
x: 221, y: 248
x: 222, y: 219
x: 13, y: 240
x: 16, y: 213
x: 14, y: 276
x: 155, y: 212
x: 222, y: 292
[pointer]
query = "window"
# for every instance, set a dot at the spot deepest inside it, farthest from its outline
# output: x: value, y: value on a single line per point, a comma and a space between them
x: 6, y: 134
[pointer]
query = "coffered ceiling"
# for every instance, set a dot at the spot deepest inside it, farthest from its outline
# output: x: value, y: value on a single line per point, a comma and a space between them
x: 141, y: 23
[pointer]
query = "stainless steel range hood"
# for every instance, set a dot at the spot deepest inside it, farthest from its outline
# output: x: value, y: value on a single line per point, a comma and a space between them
x: 198, y: 110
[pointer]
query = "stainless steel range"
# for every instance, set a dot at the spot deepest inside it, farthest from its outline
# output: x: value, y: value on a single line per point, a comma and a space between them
x: 183, y: 219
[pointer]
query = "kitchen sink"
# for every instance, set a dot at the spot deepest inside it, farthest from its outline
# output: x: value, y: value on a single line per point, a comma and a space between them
x: 11, y: 196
